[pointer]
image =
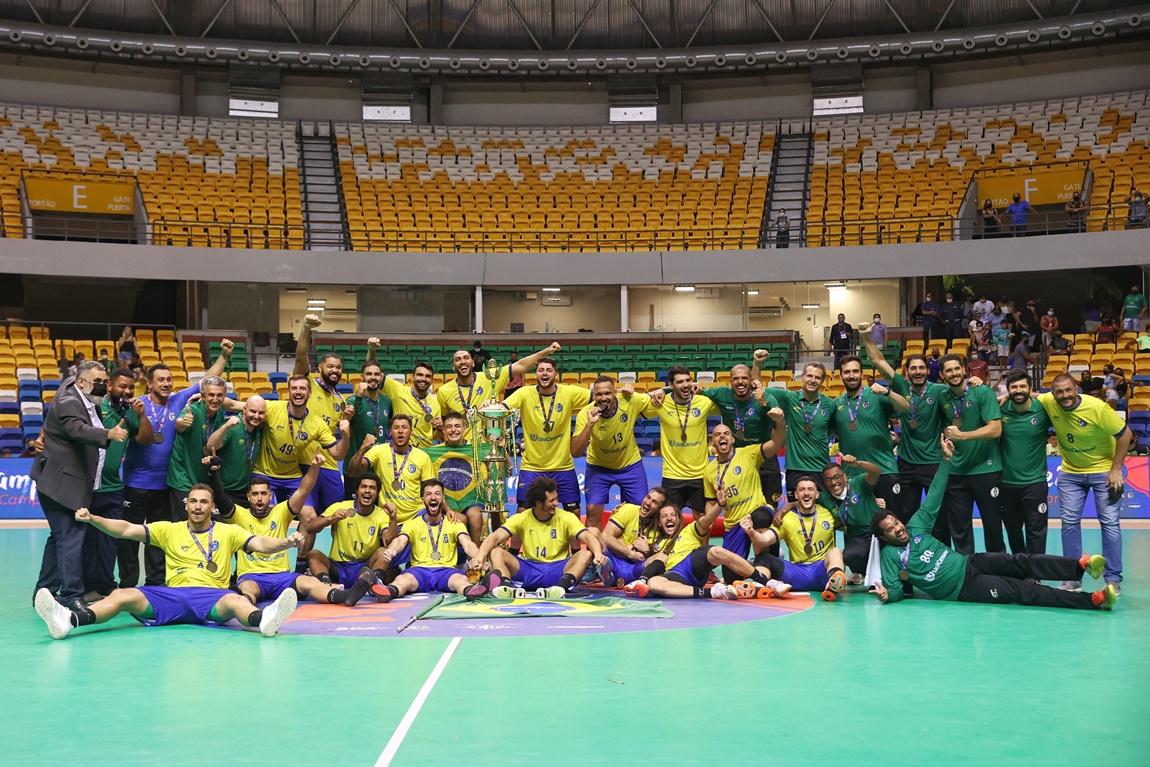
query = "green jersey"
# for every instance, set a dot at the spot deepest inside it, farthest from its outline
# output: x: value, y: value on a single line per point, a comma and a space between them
x: 185, y: 467
x: 931, y: 565
x: 1023, y: 443
x: 371, y: 417
x: 747, y: 418
x: 238, y: 452
x: 922, y: 424
x: 110, y: 416
x: 863, y: 426
x: 971, y: 409
x: 807, y: 451
x: 855, y: 509
x: 1133, y: 305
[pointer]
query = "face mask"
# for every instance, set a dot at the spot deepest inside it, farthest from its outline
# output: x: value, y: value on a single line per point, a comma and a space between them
x: 950, y: 300
x: 1050, y: 313
x: 876, y: 319
x: 99, y: 389
x: 934, y: 355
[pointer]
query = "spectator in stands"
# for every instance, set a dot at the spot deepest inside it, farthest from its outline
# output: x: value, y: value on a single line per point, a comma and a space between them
x: 1133, y: 309
x: 980, y: 340
x: 878, y: 331
x: 479, y: 356
x: 32, y: 446
x: 982, y: 308
x: 951, y: 315
x: 931, y: 322
x: 107, y: 363
x: 782, y: 231
x: 842, y: 339
x: 1076, y: 214
x: 1136, y: 219
x: 993, y: 320
x: 990, y: 221
x: 1059, y: 344
x: 68, y: 367
x: 1026, y: 319
x: 1107, y: 332
x: 515, y: 381
x: 1092, y: 313
x: 1019, y: 212
x: 1049, y: 324
x: 127, y: 342
x: 1113, y: 383
x: 977, y: 368
x: 1001, y: 338
x: 1143, y: 344
x: 934, y: 365
x: 1022, y: 357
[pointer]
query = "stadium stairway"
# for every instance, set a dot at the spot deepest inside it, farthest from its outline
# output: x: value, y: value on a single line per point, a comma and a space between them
x: 323, y: 206
x: 790, y: 187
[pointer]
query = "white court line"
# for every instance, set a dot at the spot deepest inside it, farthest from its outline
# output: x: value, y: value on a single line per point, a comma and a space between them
x: 400, y: 733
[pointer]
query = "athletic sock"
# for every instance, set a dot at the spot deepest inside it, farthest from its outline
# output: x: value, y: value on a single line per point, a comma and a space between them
x: 249, y: 597
x: 514, y: 552
x: 378, y: 575
x: 301, y: 565
x: 83, y: 617
x: 651, y: 570
x: 255, y: 618
x: 702, y: 592
x: 833, y: 570
x: 759, y: 577
x: 323, y: 577
x: 567, y: 582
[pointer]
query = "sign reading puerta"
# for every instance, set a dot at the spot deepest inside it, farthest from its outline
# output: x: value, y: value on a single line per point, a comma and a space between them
x: 18, y: 499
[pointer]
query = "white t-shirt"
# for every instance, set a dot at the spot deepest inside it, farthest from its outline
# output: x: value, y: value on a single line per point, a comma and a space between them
x: 982, y: 309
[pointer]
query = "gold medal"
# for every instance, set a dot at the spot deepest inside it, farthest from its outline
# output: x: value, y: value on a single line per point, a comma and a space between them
x: 395, y: 484
x: 211, y: 567
x: 913, y: 423
x: 158, y: 438
x: 903, y: 575
x: 957, y: 423
x: 807, y: 428
x: 435, y: 555
x: 854, y: 426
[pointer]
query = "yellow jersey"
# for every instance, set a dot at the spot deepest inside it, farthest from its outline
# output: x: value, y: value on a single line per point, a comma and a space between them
x: 740, y: 476
x: 273, y: 525
x: 286, y: 440
x: 545, y: 541
x: 446, y: 538
x: 612, y: 444
x: 328, y: 405
x: 185, y: 552
x: 820, y: 526
x: 626, y: 518
x: 359, y: 536
x: 1085, y: 434
x: 548, y: 450
x: 687, y: 541
x: 683, y: 458
x: 422, y: 411
x: 407, y: 470
x: 454, y: 398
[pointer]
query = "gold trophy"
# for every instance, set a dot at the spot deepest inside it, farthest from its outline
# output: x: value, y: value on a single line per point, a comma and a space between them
x: 494, y: 448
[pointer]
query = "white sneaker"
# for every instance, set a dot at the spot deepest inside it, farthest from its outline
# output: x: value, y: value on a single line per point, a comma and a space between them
x: 856, y: 579
x: 58, y: 617
x: 278, y: 612
x: 1070, y: 586
x: 551, y: 592
x: 504, y: 592
x: 723, y: 591
x: 779, y: 588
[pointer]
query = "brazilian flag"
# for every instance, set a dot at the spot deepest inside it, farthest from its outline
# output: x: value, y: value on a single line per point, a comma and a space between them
x: 453, y: 466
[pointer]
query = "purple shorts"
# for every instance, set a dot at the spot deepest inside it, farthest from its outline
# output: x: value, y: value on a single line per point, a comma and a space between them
x: 622, y: 568
x: 431, y: 579
x: 271, y: 584
x: 809, y: 577
x: 568, y: 482
x: 348, y: 572
x: 538, y: 575
x: 180, y: 604
x: 632, y: 482
x: 328, y: 489
x: 284, y: 488
x: 693, y: 570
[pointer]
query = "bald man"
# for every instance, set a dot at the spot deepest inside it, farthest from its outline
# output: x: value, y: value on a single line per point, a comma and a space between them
x: 237, y: 448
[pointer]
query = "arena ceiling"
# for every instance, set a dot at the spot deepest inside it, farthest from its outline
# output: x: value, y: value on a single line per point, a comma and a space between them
x: 538, y: 33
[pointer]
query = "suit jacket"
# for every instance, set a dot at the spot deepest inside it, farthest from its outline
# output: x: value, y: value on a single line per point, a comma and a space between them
x: 65, y: 470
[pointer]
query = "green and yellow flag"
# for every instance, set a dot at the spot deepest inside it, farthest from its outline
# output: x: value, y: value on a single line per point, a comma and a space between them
x: 453, y: 466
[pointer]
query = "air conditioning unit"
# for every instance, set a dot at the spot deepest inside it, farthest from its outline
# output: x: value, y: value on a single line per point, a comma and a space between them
x: 706, y: 292
x: 766, y: 311
x: 555, y: 299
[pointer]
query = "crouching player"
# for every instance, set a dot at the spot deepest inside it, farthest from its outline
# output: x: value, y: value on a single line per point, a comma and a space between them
x: 546, y: 564
x: 809, y: 532
x: 263, y: 577
x: 198, y: 562
x: 629, y: 536
x: 435, y: 541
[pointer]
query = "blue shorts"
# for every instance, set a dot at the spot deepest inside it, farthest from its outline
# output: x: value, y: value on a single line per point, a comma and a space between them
x: 182, y: 604
x: 538, y: 575
x: 433, y: 578
x: 809, y: 577
x: 348, y: 572
x: 623, y: 568
x: 284, y: 488
x: 632, y: 482
x: 736, y: 539
x: 328, y: 488
x: 271, y: 584
x: 568, y: 482
x: 693, y: 570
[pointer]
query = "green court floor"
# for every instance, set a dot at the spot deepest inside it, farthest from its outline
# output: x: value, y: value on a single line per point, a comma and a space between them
x: 852, y: 683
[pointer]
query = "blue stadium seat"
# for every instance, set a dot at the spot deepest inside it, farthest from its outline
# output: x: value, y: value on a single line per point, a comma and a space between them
x: 277, y: 378
x: 30, y: 432
x: 344, y: 388
x: 50, y: 384
x: 271, y: 396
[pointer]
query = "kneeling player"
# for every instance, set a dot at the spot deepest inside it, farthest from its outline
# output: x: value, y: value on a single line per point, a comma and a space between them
x: 628, y: 538
x: 263, y: 577
x: 809, y: 532
x: 435, y: 542
x: 546, y: 564
x: 911, y: 554
x: 359, y: 531
x: 198, y: 559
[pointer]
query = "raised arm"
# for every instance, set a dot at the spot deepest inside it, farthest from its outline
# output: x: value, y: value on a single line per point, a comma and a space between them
x: 339, y: 450
x: 358, y: 465
x: 217, y: 368
x: 778, y: 439
x: 871, y: 471
x: 299, y: 498
x: 713, y: 509
x: 521, y: 367
x: 216, y: 440
x: 146, y: 435
x: 926, y: 515
x: 262, y: 544
x: 224, y: 503
x: 896, y: 400
x: 117, y: 528
x: 874, y: 354
x: 757, y: 364
x: 303, y: 345
x: 582, y: 436
x: 373, y: 344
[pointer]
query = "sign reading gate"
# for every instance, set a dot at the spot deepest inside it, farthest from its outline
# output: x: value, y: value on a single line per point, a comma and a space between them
x: 102, y: 197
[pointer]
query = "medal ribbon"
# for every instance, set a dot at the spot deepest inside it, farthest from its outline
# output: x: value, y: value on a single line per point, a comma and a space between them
x: 402, y: 466
x: 802, y: 525
x: 375, y: 412
x: 845, y: 507
x: 291, y: 427
x: 740, y: 422
x: 719, y: 477
x: 858, y: 403
x: 254, y: 439
x: 547, y: 418
x: 904, y: 557
x: 151, y: 411
x: 914, y: 402
x: 435, y: 538
x: 200, y: 546
x: 331, y: 391
x: 470, y: 393
x: 421, y: 402
x: 686, y: 415
x: 954, y: 405
x: 803, y: 404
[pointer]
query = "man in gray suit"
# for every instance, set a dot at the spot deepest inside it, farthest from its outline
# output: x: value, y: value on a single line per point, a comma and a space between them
x: 67, y: 471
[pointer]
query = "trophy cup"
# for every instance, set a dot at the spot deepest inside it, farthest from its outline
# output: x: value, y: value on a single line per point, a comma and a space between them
x: 493, y: 447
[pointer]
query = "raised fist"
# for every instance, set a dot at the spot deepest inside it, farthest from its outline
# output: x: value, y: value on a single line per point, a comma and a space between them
x: 311, y: 321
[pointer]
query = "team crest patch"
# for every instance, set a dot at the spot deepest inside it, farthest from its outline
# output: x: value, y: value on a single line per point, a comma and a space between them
x: 896, y: 489
x: 1081, y: 423
x: 273, y: 526
x: 696, y: 412
x: 410, y: 469
x: 371, y: 530
x: 623, y: 417
x: 303, y: 436
x: 554, y: 533
x: 826, y: 525
x: 866, y: 404
x: 558, y: 407
x: 930, y: 400
x: 738, y: 469
x: 1034, y: 421
x: 854, y: 499
x: 994, y: 492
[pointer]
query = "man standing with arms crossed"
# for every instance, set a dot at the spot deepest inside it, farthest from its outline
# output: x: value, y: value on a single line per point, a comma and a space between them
x: 605, y: 433
x: 1093, y: 440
